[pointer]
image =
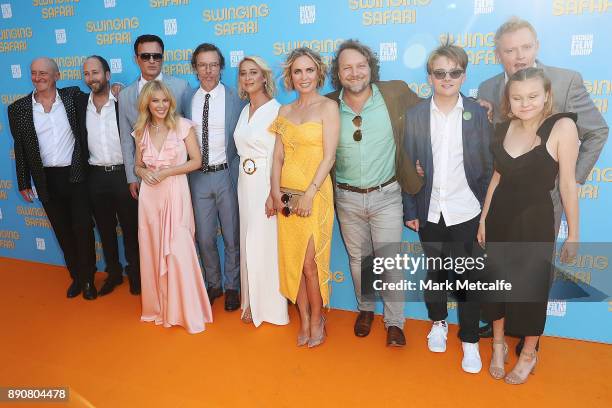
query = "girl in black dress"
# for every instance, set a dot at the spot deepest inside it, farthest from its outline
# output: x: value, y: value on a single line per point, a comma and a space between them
x: 530, y: 150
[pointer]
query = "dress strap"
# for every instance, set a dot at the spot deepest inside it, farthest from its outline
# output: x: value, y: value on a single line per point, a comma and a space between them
x: 548, y: 124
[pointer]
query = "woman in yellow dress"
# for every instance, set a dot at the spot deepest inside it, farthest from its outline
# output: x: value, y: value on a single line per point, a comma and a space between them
x: 307, y: 135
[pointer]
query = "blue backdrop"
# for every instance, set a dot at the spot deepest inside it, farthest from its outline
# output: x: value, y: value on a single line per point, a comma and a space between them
x: 573, y: 34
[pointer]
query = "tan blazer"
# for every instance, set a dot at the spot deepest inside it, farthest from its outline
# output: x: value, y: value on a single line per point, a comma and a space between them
x: 398, y: 98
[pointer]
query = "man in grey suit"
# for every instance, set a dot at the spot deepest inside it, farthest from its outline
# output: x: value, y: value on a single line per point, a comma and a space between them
x: 149, y: 55
x: 517, y: 47
x: 215, y: 109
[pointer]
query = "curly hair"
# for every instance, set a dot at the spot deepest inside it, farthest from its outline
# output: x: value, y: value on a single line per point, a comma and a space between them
x: 363, y: 50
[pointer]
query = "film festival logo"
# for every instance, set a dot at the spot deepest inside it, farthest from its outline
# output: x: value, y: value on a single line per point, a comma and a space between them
x: 110, y: 3
x: 170, y: 26
x: 556, y: 308
x: 582, y: 44
x: 16, y: 71
x: 236, y: 57
x: 473, y: 93
x: 40, y: 244
x: 60, y: 36
x: 484, y: 6
x: 388, y: 51
x: 308, y: 14
x: 7, y: 12
x: 116, y: 66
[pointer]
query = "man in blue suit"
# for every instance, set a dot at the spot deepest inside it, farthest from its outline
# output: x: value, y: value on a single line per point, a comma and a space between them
x: 449, y: 135
x: 215, y: 109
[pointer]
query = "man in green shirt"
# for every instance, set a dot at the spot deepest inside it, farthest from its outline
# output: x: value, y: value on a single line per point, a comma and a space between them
x: 371, y: 171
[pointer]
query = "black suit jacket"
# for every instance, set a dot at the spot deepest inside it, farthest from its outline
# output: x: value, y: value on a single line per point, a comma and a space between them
x: 82, y: 99
x: 28, y: 162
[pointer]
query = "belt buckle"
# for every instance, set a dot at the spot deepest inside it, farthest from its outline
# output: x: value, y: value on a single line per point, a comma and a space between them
x: 249, y: 167
x: 108, y: 169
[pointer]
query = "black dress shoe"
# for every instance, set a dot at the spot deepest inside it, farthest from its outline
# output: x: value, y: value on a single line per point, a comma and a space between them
x: 521, y: 343
x: 486, y: 331
x: 395, y: 337
x: 232, y: 300
x: 89, y: 291
x: 74, y: 289
x: 134, y: 285
x: 214, y: 293
x: 109, y: 285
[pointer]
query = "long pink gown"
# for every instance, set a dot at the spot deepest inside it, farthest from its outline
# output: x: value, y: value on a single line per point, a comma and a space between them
x: 173, y: 290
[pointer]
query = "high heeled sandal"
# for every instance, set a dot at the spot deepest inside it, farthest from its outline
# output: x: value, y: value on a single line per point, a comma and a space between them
x: 317, y: 341
x: 498, y: 372
x: 247, y: 317
x: 302, y: 339
x: 515, y: 379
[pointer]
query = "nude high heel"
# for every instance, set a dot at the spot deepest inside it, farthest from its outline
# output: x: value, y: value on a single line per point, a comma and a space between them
x: 498, y: 372
x: 515, y: 379
x: 314, y: 342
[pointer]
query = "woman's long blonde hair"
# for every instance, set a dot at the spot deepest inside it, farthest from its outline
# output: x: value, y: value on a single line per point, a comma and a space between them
x: 144, y: 115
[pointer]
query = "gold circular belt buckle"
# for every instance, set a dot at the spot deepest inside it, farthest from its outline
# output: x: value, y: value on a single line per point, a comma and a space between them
x: 249, y: 167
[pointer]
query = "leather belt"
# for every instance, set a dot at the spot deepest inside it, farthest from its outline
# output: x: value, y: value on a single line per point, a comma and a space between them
x: 348, y: 187
x: 108, y: 169
x: 215, y: 167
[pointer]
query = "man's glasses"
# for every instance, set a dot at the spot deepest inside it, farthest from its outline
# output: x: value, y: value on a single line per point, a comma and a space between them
x: 441, y: 74
x: 213, y: 66
x: 148, y: 56
x: 357, y: 123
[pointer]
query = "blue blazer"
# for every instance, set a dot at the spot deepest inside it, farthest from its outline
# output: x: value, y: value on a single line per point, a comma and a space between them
x: 233, y: 107
x: 477, y: 134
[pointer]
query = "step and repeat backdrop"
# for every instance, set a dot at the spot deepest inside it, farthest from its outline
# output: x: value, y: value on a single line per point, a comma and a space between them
x: 573, y: 34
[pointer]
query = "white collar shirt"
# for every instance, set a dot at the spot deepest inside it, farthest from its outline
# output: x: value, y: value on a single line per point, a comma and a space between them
x: 55, y: 138
x: 142, y: 82
x: 216, y: 122
x: 451, y: 195
x: 103, y: 134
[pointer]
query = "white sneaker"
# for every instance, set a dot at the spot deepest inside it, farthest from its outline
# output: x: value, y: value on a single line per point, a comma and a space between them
x: 471, y: 358
x: 436, y: 339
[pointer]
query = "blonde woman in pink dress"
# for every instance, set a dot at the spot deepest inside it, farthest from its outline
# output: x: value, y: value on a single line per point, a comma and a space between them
x: 173, y: 290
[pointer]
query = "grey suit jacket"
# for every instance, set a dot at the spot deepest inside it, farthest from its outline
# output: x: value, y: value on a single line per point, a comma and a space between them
x: 476, y: 134
x: 233, y: 107
x: 128, y: 113
x: 569, y: 95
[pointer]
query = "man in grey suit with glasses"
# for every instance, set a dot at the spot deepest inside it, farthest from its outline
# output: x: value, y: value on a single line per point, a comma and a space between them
x: 215, y: 109
x: 517, y: 47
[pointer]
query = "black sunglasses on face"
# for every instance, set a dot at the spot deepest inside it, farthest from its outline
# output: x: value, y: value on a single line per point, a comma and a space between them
x: 147, y: 56
x: 441, y: 74
x: 357, y: 123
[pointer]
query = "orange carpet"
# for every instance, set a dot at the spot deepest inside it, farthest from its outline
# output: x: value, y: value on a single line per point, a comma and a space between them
x: 109, y: 359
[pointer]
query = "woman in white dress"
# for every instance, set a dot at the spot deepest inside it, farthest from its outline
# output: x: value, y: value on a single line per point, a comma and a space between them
x: 261, y: 299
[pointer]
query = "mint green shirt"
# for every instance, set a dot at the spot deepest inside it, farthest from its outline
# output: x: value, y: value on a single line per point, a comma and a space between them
x: 371, y: 161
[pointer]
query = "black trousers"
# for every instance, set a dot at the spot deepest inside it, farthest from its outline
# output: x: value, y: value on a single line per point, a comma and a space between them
x: 70, y: 216
x: 440, y: 240
x: 111, y: 201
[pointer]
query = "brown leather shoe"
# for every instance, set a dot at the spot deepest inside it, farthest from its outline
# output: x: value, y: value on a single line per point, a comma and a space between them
x: 395, y: 337
x: 363, y: 324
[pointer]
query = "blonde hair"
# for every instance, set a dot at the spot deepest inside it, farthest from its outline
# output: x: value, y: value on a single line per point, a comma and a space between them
x: 269, y: 85
x: 524, y: 75
x: 512, y: 25
x: 144, y: 115
x: 300, y: 52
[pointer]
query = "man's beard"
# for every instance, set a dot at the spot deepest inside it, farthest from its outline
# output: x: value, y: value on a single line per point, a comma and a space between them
x: 357, y: 88
x: 98, y: 88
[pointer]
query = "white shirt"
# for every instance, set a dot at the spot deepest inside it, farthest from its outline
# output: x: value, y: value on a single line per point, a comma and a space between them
x: 451, y: 195
x: 142, y: 82
x: 216, y: 122
x: 55, y: 138
x: 103, y: 134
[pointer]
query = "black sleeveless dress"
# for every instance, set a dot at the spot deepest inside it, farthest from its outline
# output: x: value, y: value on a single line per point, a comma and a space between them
x: 520, y: 233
